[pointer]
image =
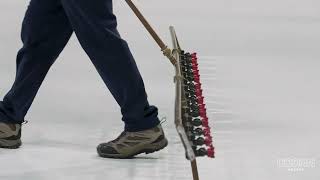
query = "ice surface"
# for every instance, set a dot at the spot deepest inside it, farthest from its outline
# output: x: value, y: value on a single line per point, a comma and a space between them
x: 260, y: 70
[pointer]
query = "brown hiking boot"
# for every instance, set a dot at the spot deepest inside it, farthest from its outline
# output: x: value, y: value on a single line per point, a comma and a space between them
x: 10, y: 135
x: 130, y: 144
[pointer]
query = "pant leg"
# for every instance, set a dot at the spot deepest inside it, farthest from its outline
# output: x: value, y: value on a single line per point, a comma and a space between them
x: 45, y: 32
x: 96, y: 28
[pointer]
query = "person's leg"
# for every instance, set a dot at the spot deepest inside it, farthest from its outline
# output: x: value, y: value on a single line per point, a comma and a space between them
x: 45, y: 32
x: 96, y: 28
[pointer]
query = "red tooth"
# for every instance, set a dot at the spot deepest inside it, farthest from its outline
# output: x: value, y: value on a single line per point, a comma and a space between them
x: 203, y: 113
x: 198, y: 85
x: 205, y: 118
x: 200, y: 100
x: 205, y: 123
x: 202, y: 106
x: 199, y: 93
x: 210, y: 152
x: 194, y: 68
x: 197, y: 77
x: 208, y: 141
x: 209, y: 137
x: 203, y: 109
x: 196, y: 74
x: 206, y: 131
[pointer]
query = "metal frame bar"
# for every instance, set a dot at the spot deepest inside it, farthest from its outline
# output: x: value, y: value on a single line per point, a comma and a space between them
x: 180, y: 100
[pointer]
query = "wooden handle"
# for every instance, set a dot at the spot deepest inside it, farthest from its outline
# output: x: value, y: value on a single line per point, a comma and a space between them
x: 146, y: 25
x: 195, y: 173
x: 166, y: 51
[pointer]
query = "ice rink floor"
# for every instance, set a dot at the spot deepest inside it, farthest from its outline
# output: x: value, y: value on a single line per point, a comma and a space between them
x: 259, y: 62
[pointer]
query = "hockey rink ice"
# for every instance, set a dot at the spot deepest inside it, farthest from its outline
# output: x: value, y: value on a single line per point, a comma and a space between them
x: 259, y: 66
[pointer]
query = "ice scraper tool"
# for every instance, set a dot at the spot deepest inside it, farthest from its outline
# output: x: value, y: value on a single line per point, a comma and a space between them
x: 191, y: 119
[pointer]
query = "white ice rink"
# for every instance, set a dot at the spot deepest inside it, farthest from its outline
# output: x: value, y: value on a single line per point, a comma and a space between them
x: 259, y: 61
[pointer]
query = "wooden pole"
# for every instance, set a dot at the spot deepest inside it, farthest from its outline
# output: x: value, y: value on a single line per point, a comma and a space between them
x: 194, y: 170
x: 164, y: 48
x: 146, y: 24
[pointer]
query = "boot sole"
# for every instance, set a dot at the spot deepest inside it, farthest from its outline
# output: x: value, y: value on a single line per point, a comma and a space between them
x: 150, y: 148
x: 10, y: 144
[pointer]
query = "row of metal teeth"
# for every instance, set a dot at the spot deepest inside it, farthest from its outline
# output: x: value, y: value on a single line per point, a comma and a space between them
x: 195, y: 119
